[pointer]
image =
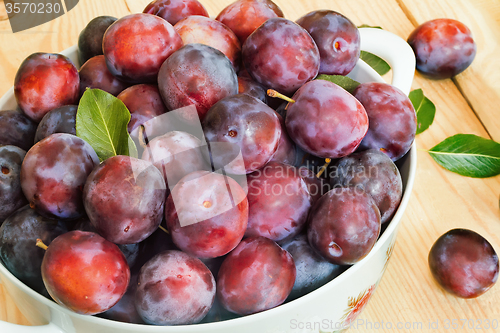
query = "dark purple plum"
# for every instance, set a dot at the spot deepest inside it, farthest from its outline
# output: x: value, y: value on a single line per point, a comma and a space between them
x: 59, y: 120
x: 90, y: 38
x: 203, y: 85
x: 125, y: 311
x: 84, y: 272
x: 144, y: 103
x: 175, y: 10
x: 204, y: 30
x: 175, y: 155
x: 337, y: 39
x: 95, y: 74
x: 244, y: 16
x: 248, y: 86
x: 392, y: 118
x: 281, y: 55
x: 18, y: 236
x: 376, y: 174
x: 443, y: 48
x: 46, y: 81
x: 258, y: 275
x: 218, y: 313
x: 11, y: 193
x: 312, y: 270
x: 124, y: 199
x: 326, y: 120
x: 52, y: 192
x: 159, y: 241
x: 464, y: 263
x: 317, y: 187
x: 16, y: 129
x: 136, y: 45
x: 246, y: 123
x: 344, y: 225
x: 174, y: 289
x: 279, y: 202
x: 287, y: 151
x: 207, y: 214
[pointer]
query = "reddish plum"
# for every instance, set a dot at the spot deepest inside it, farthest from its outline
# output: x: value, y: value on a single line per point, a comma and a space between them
x: 244, y: 16
x: 212, y: 79
x: 326, y: 120
x: 16, y: 129
x: 279, y: 202
x: 376, y: 174
x: 344, y: 225
x: 207, y: 214
x: 337, y: 39
x: 175, y: 155
x: 59, y: 120
x: 204, y: 30
x: 443, y: 48
x: 174, y: 289
x: 90, y: 38
x: 175, y: 10
x: 392, y: 118
x: 124, y: 199
x: 464, y: 263
x: 312, y: 270
x: 46, y: 81
x: 246, y: 123
x: 18, y: 236
x: 52, y: 192
x: 11, y: 193
x: 144, y: 103
x: 84, y: 272
x: 95, y: 74
x: 281, y: 55
x: 257, y: 275
x: 136, y: 45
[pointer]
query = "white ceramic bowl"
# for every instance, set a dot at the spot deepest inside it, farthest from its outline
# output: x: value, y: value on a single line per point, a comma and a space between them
x: 328, y: 308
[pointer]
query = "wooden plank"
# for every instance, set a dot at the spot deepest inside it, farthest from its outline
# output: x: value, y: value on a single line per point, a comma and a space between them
x: 441, y: 200
x: 480, y: 83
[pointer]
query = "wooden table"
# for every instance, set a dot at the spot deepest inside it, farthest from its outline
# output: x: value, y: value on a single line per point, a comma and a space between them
x: 441, y: 200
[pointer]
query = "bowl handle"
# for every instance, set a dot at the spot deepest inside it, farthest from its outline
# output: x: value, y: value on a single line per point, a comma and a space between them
x: 393, y: 49
x: 13, y: 328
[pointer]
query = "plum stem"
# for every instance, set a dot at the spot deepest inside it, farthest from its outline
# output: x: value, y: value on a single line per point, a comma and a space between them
x: 163, y: 229
x: 323, y: 168
x: 41, y: 244
x: 275, y: 94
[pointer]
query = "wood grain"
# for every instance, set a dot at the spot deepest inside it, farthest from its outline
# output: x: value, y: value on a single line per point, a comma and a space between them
x: 480, y: 83
x: 441, y: 200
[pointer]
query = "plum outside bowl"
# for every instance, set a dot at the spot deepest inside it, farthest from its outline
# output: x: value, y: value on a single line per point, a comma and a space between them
x: 329, y: 308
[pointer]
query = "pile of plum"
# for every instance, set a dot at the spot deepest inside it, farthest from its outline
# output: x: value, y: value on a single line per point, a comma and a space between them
x: 320, y: 182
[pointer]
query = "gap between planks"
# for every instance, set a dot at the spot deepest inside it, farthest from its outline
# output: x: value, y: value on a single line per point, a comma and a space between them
x: 415, y: 23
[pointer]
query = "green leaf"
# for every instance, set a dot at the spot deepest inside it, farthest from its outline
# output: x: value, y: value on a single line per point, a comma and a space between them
x: 345, y: 82
x: 468, y: 155
x: 369, y: 26
x: 102, y: 120
x: 377, y: 63
x: 424, y: 108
